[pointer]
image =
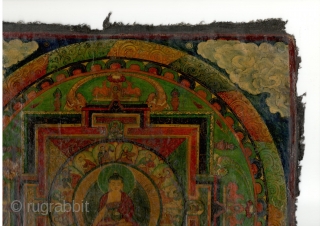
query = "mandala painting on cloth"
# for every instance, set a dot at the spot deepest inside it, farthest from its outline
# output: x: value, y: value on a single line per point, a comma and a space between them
x: 149, y: 127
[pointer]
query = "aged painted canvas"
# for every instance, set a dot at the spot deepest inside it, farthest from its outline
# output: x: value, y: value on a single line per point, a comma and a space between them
x: 143, y: 125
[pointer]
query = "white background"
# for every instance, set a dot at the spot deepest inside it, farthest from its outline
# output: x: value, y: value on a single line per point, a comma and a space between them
x: 303, y: 22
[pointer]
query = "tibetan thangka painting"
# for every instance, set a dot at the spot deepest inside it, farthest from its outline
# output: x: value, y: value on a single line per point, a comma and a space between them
x: 149, y: 125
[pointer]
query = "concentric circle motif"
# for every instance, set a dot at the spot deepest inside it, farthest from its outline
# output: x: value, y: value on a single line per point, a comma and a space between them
x: 149, y: 191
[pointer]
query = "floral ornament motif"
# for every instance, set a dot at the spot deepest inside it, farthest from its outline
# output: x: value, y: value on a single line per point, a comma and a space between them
x: 218, y: 169
x: 222, y: 145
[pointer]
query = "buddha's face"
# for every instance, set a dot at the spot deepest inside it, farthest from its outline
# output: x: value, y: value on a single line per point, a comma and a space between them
x: 115, y: 185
